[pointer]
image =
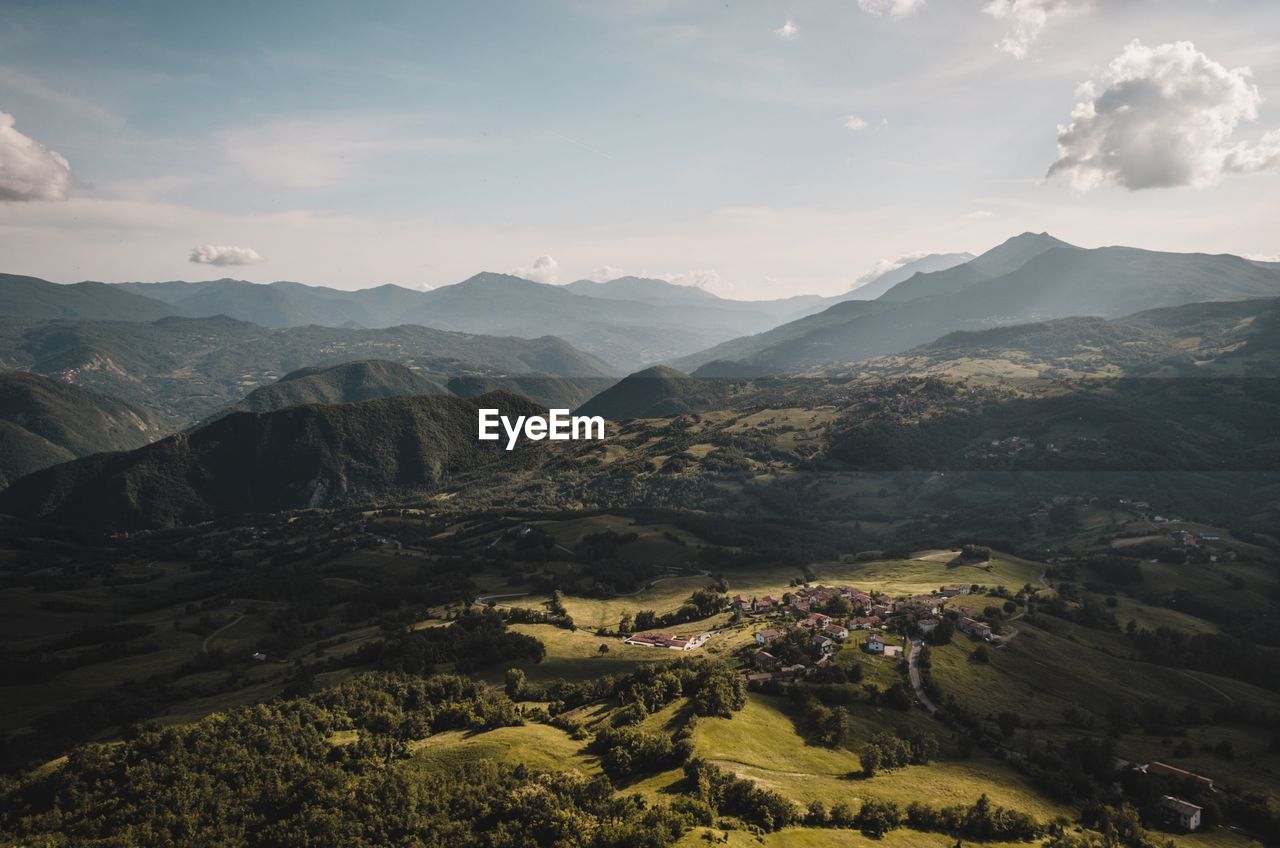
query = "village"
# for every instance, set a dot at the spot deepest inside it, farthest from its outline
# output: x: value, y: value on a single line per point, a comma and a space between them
x: 829, y: 616
x: 823, y: 619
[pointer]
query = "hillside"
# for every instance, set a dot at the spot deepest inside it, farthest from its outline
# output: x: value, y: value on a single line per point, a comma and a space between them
x: 545, y: 390
x: 1057, y: 282
x: 303, y: 456
x: 657, y: 392
x: 33, y: 299
x: 347, y: 382
x: 44, y: 422
x: 191, y: 368
x: 839, y: 319
x: 1199, y: 339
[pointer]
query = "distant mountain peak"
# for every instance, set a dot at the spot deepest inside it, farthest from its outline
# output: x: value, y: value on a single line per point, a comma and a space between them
x: 905, y: 270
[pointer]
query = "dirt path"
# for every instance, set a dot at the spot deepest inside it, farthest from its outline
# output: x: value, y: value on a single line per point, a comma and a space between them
x: 658, y: 580
x: 1206, y: 684
x: 204, y: 646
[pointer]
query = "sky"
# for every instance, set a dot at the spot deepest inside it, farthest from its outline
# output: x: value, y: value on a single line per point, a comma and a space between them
x: 757, y: 149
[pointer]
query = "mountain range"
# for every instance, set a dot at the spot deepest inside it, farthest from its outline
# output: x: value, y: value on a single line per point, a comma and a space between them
x: 187, y: 369
x: 1031, y: 277
x: 628, y: 322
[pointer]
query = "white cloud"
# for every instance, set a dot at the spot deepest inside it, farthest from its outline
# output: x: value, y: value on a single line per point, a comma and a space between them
x: 1165, y: 117
x: 545, y: 269
x: 605, y: 273
x: 884, y: 266
x: 222, y: 255
x: 788, y: 31
x: 855, y: 123
x: 1263, y: 257
x: 1027, y: 19
x: 893, y: 8
x: 701, y: 279
x: 1254, y: 158
x: 28, y: 169
x: 978, y: 214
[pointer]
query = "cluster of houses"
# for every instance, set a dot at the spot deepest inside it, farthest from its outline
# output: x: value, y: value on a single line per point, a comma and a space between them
x: 801, y: 609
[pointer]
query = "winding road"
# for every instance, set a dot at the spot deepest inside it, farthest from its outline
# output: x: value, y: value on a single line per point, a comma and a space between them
x: 913, y: 672
x: 204, y: 646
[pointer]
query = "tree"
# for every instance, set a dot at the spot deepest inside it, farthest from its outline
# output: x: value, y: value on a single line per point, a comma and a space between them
x: 876, y: 818
x: 872, y: 760
x: 603, y: 649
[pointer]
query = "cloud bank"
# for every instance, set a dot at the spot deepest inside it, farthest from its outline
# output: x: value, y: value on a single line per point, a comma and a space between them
x: 29, y: 170
x: 700, y: 279
x: 1162, y: 117
x: 223, y: 255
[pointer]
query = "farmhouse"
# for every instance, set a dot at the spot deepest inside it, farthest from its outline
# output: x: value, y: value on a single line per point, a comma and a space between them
x: 791, y: 672
x: 1182, y: 813
x: 824, y: 644
x: 873, y: 644
x: 927, y: 625
x: 1181, y: 775
x: 741, y: 602
x: 836, y: 631
x: 765, y: 604
x: 974, y: 628
x: 765, y: 661
x: 666, y: 640
x: 764, y: 637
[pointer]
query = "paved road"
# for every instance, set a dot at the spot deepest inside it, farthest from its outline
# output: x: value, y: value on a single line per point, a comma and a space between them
x: 913, y: 672
x: 204, y: 647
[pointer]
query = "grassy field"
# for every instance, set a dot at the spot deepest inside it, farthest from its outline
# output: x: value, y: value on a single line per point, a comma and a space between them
x: 895, y: 577
x: 538, y: 746
x: 761, y: 743
x: 804, y: 837
x: 575, y: 655
x: 1039, y: 672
